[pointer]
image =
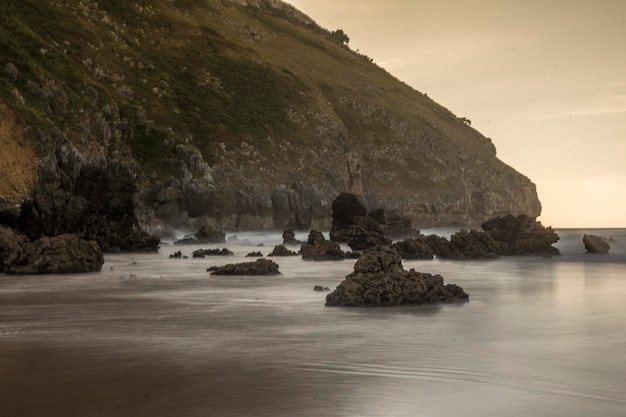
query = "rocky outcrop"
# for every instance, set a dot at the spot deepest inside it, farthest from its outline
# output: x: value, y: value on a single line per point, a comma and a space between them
x: 289, y: 238
x: 521, y: 235
x: 596, y: 244
x: 379, y: 279
x: 317, y: 248
x: 259, y: 267
x: 416, y: 248
x: 50, y: 255
x: 346, y: 207
x: 92, y: 199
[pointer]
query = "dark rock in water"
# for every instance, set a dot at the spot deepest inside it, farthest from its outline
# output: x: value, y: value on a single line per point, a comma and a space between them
x: 521, y: 235
x: 416, y: 248
x: 345, y: 207
x: 392, y: 224
x: 259, y: 267
x: 206, y: 234
x: 317, y: 248
x: 254, y: 255
x: 289, y: 238
x: 177, y: 254
x: 320, y: 288
x: 55, y: 255
x: 201, y: 253
x: 379, y: 279
x: 596, y: 244
x: 281, y: 250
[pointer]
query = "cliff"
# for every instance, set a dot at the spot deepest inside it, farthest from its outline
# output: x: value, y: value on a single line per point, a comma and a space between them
x: 237, y: 114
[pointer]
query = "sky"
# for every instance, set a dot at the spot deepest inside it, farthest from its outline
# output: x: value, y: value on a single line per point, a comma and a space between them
x: 544, y: 79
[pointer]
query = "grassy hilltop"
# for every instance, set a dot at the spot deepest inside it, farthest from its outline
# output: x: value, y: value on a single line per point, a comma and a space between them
x: 266, y: 96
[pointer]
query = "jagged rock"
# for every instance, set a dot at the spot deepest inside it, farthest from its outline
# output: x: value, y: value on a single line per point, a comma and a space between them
x: 392, y: 224
x: 289, y: 238
x: 473, y: 244
x: 596, y: 244
x: 345, y: 207
x: 201, y: 253
x: 317, y: 248
x: 365, y: 233
x: 254, y: 255
x: 177, y: 254
x: 416, y: 248
x: 55, y: 255
x: 521, y: 235
x: 379, y: 279
x: 281, y: 250
x: 259, y: 267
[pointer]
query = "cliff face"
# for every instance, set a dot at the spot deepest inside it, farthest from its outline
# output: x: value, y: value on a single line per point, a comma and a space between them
x: 238, y: 114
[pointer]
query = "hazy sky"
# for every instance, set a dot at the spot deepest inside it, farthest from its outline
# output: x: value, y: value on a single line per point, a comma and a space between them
x: 544, y: 79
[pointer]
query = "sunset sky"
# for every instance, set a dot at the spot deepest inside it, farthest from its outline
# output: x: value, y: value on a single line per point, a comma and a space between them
x: 544, y: 79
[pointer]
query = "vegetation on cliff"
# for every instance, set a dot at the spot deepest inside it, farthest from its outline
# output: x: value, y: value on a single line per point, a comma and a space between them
x: 268, y: 105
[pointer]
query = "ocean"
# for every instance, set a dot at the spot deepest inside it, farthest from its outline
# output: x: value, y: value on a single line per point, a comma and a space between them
x: 154, y: 336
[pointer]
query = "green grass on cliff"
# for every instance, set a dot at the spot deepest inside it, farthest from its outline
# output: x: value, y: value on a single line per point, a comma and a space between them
x: 196, y: 71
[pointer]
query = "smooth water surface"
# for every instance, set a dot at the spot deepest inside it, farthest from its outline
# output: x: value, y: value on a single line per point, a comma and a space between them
x: 152, y: 336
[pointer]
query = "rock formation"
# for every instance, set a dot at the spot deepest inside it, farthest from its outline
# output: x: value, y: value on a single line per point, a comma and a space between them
x: 596, y: 244
x: 317, y: 248
x: 259, y: 267
x: 379, y: 279
x: 48, y: 255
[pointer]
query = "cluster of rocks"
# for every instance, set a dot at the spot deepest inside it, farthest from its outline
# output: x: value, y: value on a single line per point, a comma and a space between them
x: 202, y: 253
x: 379, y: 279
x: 500, y: 236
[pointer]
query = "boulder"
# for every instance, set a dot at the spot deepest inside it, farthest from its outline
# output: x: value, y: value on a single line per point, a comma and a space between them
x: 365, y: 233
x: 259, y: 267
x: 317, y: 248
x: 379, y: 279
x: 55, y: 255
x: 596, y: 244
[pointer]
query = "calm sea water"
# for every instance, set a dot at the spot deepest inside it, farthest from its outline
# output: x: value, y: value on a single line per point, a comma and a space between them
x: 152, y: 336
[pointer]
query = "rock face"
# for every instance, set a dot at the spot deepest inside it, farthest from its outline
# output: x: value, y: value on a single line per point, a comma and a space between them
x: 259, y: 267
x: 596, y: 244
x: 93, y: 200
x: 52, y: 255
x: 380, y: 280
x: 317, y: 248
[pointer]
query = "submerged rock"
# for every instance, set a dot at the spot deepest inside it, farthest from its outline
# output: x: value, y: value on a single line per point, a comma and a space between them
x: 259, y: 267
x: 379, y: 279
